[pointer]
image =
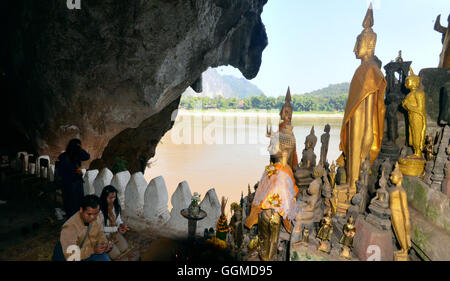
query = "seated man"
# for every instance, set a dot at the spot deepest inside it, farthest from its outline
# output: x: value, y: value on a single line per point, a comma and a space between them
x: 82, y: 236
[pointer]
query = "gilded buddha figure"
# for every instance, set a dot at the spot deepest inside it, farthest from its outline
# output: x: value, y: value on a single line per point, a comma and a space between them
x: 285, y: 120
x: 325, y: 232
x: 363, y: 123
x: 414, y: 103
x: 274, y: 202
x: 398, y: 202
x: 349, y: 232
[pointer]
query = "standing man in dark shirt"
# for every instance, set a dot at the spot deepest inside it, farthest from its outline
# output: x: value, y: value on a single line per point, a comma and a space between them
x: 69, y: 168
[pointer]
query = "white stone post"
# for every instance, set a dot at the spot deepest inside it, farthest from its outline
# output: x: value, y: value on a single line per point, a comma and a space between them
x: 156, y: 198
x: 211, y: 205
x: 88, y: 185
x: 51, y: 172
x: 120, y: 181
x: 180, y: 200
x: 26, y: 164
x: 38, y: 165
x: 103, y: 179
x: 134, y: 194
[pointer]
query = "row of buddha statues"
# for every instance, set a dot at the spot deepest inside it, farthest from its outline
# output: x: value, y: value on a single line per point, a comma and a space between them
x: 295, y: 198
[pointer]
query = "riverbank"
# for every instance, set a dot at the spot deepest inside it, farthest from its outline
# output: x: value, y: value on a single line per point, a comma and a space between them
x: 251, y: 113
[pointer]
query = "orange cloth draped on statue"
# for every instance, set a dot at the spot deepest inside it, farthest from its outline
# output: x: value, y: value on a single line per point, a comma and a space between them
x: 279, y: 186
x: 368, y: 80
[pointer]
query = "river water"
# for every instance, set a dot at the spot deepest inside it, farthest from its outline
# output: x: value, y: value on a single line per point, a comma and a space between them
x: 227, y: 151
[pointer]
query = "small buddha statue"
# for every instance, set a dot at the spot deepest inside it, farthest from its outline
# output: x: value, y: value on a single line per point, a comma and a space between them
x: 332, y: 174
x: 341, y: 176
x: 310, y: 201
x: 399, y: 57
x: 429, y: 156
x: 305, y: 236
x: 429, y: 152
x: 194, y: 207
x: 365, y: 171
x: 305, y: 168
x: 324, y: 139
x: 326, y: 192
x: 312, y: 139
x: 381, y: 198
x: 349, y: 232
x: 325, y: 232
x: 400, y: 219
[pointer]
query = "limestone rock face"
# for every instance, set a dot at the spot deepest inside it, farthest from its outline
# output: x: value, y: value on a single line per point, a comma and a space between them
x: 103, y: 179
x: 106, y: 73
x: 211, y: 205
x: 155, y: 202
x: 180, y: 200
x: 433, y: 79
x: 120, y: 181
x: 134, y: 194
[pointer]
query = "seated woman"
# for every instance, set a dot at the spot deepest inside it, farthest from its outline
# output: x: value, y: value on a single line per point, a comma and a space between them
x: 112, y: 223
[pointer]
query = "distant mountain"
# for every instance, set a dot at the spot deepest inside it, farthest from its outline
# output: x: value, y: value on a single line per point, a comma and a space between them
x: 226, y: 86
x: 332, y: 90
x: 242, y: 87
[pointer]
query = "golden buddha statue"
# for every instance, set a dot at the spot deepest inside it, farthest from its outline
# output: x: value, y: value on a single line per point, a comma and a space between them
x: 325, y: 232
x: 398, y: 203
x: 414, y: 103
x: 347, y: 238
x: 274, y: 202
x: 286, y: 119
x: 445, y: 55
x: 305, y: 236
x: 332, y: 174
x: 363, y: 123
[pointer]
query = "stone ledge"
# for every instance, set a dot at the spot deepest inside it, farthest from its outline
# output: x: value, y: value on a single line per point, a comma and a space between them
x: 432, y: 204
x: 432, y: 240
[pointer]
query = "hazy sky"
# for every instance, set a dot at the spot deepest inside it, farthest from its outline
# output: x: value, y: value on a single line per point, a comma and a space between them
x: 311, y: 42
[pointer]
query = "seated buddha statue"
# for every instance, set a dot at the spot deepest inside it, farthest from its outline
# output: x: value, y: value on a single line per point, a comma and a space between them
x: 309, y: 203
x: 381, y: 198
x: 341, y: 176
x: 303, y: 171
x: 274, y: 202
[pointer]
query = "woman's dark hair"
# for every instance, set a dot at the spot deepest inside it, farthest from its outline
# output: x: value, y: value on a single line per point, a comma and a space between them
x: 73, y: 150
x: 104, y: 203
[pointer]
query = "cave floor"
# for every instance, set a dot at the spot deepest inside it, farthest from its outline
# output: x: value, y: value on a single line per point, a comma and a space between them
x: 29, y: 228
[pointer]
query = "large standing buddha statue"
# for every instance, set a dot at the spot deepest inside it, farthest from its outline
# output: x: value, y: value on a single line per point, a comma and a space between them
x: 363, y: 124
